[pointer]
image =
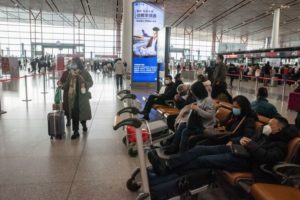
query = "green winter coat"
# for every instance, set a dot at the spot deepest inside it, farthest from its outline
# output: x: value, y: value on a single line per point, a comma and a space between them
x: 84, y: 103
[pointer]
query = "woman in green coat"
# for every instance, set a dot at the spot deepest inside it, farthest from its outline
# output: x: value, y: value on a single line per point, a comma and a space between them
x: 78, y: 83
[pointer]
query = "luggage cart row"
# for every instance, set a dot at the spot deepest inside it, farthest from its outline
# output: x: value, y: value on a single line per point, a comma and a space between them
x: 143, y: 179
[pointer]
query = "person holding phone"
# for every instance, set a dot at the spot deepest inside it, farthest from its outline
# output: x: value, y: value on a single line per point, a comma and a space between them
x: 78, y: 83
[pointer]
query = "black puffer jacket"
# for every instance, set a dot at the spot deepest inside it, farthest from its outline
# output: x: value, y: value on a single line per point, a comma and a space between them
x: 271, y: 149
x: 268, y: 151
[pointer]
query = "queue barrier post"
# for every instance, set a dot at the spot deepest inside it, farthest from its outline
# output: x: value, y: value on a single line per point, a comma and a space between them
x: 26, y: 90
x: 53, y: 77
x: 44, y: 83
x: 239, y: 83
x: 256, y: 83
x: 283, y: 90
x: 2, y: 111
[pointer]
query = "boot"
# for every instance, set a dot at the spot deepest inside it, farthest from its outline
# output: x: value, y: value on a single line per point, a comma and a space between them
x: 75, y: 135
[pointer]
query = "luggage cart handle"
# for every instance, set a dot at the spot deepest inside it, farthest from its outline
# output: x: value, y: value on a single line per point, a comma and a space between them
x: 123, y: 92
x: 128, y: 96
x: 132, y: 122
x: 132, y: 110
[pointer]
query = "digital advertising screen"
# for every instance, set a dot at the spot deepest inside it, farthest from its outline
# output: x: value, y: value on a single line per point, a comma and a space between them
x: 148, y: 20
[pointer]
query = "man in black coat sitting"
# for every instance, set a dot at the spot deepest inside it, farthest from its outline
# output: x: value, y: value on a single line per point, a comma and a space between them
x: 161, y: 99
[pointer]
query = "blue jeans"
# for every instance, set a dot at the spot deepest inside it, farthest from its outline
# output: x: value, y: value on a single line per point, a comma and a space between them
x: 215, y: 157
x: 177, y: 135
x: 185, y: 135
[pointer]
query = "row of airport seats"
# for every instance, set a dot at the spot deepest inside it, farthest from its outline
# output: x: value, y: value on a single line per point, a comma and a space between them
x: 244, y: 180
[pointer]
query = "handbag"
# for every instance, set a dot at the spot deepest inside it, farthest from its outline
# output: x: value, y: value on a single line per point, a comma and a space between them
x: 221, y: 131
x: 57, y: 96
x: 194, y: 121
x: 240, y: 151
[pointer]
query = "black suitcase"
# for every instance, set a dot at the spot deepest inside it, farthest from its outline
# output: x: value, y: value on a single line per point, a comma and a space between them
x: 56, y: 124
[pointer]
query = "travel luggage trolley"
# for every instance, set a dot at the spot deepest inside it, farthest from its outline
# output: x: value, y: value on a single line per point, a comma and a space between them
x: 133, y: 185
x: 152, y: 132
x: 128, y: 99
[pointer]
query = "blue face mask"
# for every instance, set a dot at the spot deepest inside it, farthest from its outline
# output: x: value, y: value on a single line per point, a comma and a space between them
x: 236, y: 111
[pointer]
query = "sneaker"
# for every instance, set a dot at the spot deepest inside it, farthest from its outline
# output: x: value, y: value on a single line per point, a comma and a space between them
x: 75, y: 135
x: 158, y: 164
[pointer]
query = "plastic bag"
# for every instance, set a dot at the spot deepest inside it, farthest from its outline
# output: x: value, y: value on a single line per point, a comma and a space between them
x: 57, y: 96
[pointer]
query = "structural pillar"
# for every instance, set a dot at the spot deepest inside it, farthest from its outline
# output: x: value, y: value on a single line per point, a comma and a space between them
x: 275, y: 29
x: 213, y: 43
x: 127, y: 33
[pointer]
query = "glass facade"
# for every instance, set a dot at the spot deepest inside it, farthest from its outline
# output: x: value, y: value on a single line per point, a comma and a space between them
x: 19, y: 29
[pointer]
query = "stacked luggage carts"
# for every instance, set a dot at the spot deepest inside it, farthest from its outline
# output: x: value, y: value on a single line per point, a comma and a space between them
x: 173, y: 186
x: 152, y: 132
x: 140, y: 136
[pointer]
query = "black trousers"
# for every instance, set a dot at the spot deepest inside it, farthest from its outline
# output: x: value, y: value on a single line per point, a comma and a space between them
x: 75, y: 120
x: 171, y: 122
x: 153, y: 99
x: 119, y: 80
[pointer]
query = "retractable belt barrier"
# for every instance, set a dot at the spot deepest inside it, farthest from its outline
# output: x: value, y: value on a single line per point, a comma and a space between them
x: 25, y: 77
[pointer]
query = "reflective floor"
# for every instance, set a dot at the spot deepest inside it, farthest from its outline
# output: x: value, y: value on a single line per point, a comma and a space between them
x: 94, y: 167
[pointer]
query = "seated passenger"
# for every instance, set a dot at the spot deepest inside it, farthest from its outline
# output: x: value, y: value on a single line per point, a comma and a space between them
x: 220, y: 93
x: 169, y: 94
x: 261, y: 105
x: 205, y: 110
x: 183, y: 96
x: 267, y: 147
x: 206, y: 83
x: 182, y: 99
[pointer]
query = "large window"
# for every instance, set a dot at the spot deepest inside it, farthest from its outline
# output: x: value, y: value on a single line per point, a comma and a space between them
x: 17, y: 27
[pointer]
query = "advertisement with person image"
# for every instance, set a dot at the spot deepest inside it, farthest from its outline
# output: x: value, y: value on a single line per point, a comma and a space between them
x: 148, y: 20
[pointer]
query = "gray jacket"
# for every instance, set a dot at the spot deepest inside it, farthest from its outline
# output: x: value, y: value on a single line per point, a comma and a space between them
x: 220, y: 73
x: 119, y: 68
x: 207, y: 111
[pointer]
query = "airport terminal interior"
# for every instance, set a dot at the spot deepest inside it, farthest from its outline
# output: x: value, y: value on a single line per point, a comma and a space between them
x: 149, y: 99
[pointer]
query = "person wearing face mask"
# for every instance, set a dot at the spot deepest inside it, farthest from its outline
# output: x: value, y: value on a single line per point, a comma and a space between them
x: 204, y: 108
x: 78, y: 83
x: 161, y: 99
x: 61, y: 83
x: 182, y: 99
x: 267, y: 147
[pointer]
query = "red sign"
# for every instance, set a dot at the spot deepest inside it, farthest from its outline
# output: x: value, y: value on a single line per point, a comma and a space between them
x: 5, y: 65
x: 231, y: 56
x: 271, y: 54
x: 60, y: 63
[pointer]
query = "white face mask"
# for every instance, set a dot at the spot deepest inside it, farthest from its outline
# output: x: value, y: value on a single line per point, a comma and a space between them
x: 184, y: 97
x: 267, y: 130
x: 83, y: 90
x: 167, y: 82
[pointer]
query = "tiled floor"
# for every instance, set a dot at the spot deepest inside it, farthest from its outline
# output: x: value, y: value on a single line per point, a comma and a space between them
x: 94, y: 167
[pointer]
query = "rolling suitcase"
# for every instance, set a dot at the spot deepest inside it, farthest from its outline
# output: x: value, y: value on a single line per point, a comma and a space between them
x: 56, y: 124
x: 56, y: 118
x: 293, y: 103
